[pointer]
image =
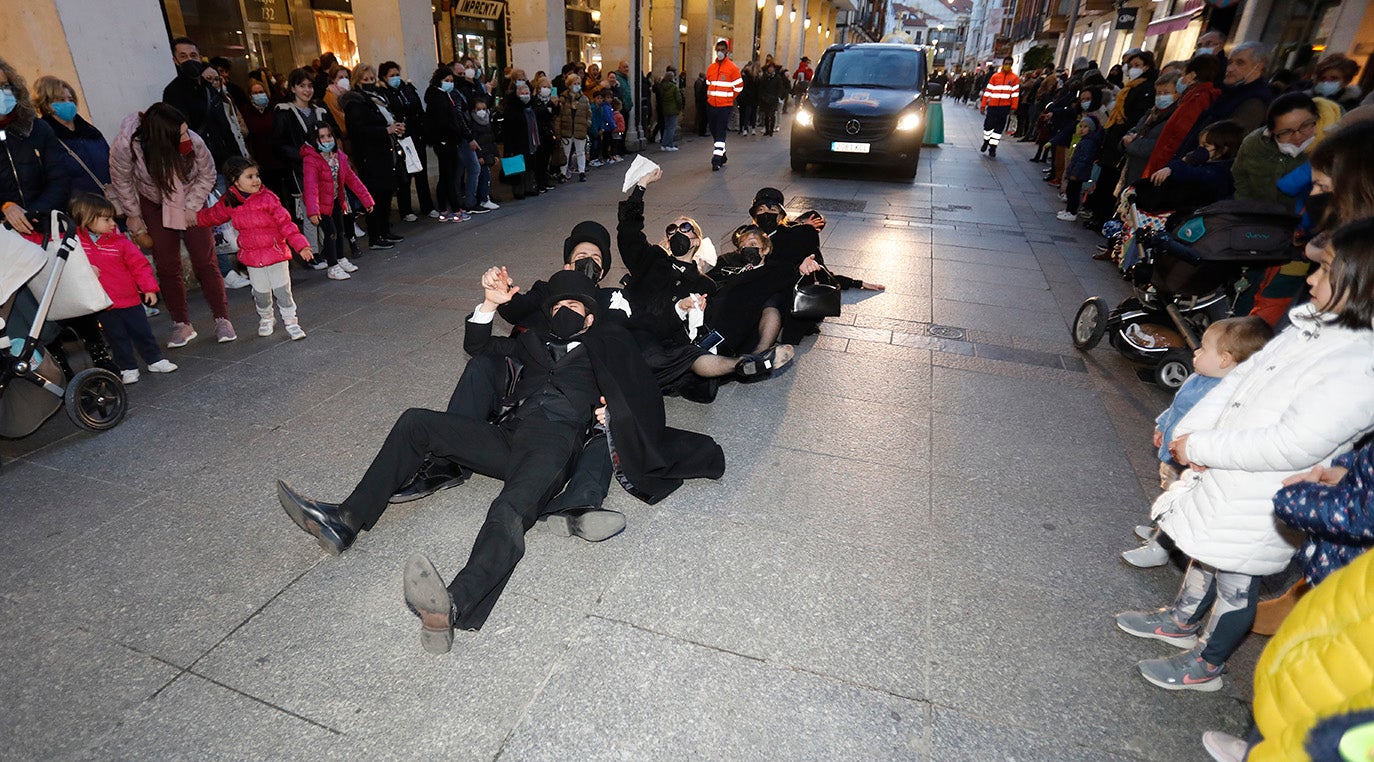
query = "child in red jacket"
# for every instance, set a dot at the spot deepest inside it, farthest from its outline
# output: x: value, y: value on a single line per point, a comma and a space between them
x: 327, y: 174
x: 267, y: 237
x: 128, y: 279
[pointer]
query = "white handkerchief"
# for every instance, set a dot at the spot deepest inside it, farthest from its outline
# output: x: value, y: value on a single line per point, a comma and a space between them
x: 638, y: 169
x: 706, y: 252
x: 619, y: 302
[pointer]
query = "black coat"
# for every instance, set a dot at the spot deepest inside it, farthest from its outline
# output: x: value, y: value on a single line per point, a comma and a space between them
x: 1139, y: 100
x: 291, y: 130
x: 657, y: 280
x: 407, y: 106
x: 651, y: 459
x: 204, y: 112
x: 33, y: 170
x: 375, y: 153
x: 515, y: 129
x: 444, y: 119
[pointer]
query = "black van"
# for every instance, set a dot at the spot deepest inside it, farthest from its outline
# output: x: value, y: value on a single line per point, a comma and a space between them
x: 865, y: 106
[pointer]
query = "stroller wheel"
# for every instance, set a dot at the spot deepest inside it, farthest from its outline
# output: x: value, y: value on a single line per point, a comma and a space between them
x: 1173, y: 369
x: 1090, y: 323
x: 96, y: 400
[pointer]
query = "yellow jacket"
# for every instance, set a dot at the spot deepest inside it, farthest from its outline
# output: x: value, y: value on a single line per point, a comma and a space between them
x: 1320, y: 663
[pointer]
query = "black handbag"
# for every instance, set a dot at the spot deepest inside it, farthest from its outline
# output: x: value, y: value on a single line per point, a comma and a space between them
x: 816, y: 296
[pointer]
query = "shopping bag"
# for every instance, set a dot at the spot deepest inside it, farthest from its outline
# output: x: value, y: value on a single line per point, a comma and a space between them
x: 413, y: 163
x: 513, y: 165
x: 78, y: 291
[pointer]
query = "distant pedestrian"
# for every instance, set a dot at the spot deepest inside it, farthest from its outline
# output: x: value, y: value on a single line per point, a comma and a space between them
x: 723, y: 86
x: 670, y: 108
x: 1001, y: 96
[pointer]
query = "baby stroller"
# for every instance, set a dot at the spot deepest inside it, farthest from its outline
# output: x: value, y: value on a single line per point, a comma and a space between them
x: 33, y: 384
x: 1185, y: 279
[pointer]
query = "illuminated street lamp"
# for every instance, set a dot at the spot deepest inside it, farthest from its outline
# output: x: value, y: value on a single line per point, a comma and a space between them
x: 777, y: 12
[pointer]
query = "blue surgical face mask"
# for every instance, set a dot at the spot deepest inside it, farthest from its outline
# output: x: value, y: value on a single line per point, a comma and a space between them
x: 393, y: 82
x: 1181, y: 86
x: 64, y: 110
x: 1164, y: 101
x: 1202, y: 52
x: 259, y: 99
x: 1327, y: 89
x: 326, y: 145
x: 446, y: 86
x: 7, y: 101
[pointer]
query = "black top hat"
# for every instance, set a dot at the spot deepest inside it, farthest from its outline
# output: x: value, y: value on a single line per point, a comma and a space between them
x: 767, y: 196
x: 571, y: 284
x: 589, y: 231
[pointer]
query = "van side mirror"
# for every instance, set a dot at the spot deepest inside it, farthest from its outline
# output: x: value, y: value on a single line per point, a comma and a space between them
x: 934, y: 90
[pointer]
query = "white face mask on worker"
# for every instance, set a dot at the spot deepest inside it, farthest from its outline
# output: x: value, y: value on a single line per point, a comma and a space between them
x: 720, y: 55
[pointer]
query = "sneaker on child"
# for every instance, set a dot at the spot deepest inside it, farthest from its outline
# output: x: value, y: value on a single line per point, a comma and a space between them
x: 347, y: 266
x: 337, y: 273
x: 1185, y: 671
x: 490, y: 205
x: 129, y: 376
x: 295, y: 331
x: 266, y: 325
x: 1147, y: 556
x: 162, y: 366
x: 318, y: 264
x: 1066, y: 216
x: 233, y: 279
x: 409, y: 218
x: 1157, y: 625
x: 435, y: 214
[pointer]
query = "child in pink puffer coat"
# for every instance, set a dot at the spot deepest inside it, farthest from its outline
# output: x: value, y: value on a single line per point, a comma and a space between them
x: 267, y: 237
x: 326, y: 174
x: 127, y: 279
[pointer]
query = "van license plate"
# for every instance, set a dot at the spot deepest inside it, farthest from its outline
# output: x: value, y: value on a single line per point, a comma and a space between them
x: 839, y: 147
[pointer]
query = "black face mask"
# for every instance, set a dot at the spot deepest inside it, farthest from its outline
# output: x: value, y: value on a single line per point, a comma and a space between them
x: 752, y: 255
x: 588, y: 267
x: 564, y: 324
x: 1316, y: 206
x: 767, y: 221
x: 680, y: 244
x: 190, y: 69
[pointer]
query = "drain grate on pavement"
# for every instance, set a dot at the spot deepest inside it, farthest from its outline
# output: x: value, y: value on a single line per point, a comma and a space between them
x: 826, y: 204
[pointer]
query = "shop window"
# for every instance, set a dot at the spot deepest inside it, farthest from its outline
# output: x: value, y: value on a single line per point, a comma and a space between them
x: 337, y: 35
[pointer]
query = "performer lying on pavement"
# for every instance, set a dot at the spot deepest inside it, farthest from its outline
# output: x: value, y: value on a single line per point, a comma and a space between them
x: 575, y: 371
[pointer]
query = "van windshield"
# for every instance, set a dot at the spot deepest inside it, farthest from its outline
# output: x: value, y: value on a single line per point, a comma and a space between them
x: 868, y: 67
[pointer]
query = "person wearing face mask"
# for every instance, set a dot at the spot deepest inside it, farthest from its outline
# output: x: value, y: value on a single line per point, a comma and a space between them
x: 543, y: 108
x: 1196, y: 93
x: 1275, y: 149
x: 723, y: 85
x: 485, y: 138
x: 201, y: 102
x: 1133, y: 103
x: 1001, y: 96
x: 375, y: 132
x: 576, y: 372
x: 520, y: 137
x: 84, y: 148
x: 1213, y: 43
x: 1245, y: 94
x: 1331, y: 79
x: 405, y: 104
x: 340, y: 82
x: 1201, y: 178
x: 574, y: 121
x: 448, y: 129
x: 1138, y: 142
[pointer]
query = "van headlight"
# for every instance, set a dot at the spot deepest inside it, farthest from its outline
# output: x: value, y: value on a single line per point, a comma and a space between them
x: 804, y: 117
x: 909, y: 122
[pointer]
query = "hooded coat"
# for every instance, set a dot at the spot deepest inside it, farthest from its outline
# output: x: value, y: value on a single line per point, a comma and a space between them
x: 1303, y: 399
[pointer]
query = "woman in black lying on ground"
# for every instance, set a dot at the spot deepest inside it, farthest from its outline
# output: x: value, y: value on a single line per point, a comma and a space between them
x: 669, y: 297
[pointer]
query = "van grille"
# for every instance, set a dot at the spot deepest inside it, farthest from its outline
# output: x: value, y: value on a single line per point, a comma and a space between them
x: 832, y: 127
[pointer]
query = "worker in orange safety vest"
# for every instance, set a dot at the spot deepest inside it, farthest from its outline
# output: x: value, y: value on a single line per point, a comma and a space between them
x: 1001, y: 96
x: 723, y: 85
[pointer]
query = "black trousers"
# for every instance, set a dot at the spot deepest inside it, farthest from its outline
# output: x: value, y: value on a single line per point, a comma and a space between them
x: 128, y: 331
x: 421, y: 180
x: 448, y: 196
x: 995, y: 123
x: 478, y: 395
x: 379, y: 219
x: 770, y: 119
x: 334, y: 230
x: 718, y: 118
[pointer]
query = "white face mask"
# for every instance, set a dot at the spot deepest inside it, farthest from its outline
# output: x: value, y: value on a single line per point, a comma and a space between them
x: 545, y: 92
x: 720, y: 55
x: 343, y: 84
x: 470, y: 73
x: 1134, y: 73
x: 1288, y: 149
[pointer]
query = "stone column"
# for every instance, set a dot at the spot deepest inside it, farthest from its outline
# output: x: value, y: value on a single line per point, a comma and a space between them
x: 666, y: 15
x: 618, y: 34
x: 769, y: 45
x: 117, y: 62
x: 700, y: 15
x: 742, y: 51
x: 538, y: 35
x: 397, y: 30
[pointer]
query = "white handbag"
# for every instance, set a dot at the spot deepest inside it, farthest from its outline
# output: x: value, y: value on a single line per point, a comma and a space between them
x: 79, y: 292
x: 413, y: 164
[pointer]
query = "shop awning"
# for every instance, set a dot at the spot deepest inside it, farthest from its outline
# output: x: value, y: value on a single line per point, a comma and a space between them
x: 1176, y: 22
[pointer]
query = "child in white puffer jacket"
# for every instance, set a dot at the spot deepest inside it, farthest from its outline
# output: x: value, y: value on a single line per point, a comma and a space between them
x: 1304, y: 399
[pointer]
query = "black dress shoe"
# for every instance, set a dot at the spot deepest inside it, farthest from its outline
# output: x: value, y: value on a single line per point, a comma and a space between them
x: 429, y: 599
x: 392, y: 238
x: 591, y: 524
x: 433, y: 476
x: 320, y: 520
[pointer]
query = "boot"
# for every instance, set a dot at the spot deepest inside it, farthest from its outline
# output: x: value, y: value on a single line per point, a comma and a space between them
x: 1271, y: 613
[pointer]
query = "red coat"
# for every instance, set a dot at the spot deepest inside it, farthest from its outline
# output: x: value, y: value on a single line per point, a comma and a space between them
x: 265, y: 229
x: 1196, y: 99
x: 320, y: 189
x: 124, y: 272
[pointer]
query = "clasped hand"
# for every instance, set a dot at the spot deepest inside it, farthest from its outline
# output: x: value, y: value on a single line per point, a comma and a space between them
x: 497, y: 286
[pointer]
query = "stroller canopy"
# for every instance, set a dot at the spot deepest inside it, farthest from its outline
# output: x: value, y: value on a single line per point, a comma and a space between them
x: 1240, y: 231
x: 19, y: 261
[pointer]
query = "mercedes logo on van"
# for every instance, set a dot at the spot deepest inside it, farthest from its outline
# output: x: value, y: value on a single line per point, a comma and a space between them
x: 852, y: 126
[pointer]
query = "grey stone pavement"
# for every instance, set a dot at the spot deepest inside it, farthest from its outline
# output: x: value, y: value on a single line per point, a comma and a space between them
x: 912, y: 554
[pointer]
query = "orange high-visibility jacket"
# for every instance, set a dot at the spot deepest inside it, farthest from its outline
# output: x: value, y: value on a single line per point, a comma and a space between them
x: 723, y: 83
x: 1003, y: 89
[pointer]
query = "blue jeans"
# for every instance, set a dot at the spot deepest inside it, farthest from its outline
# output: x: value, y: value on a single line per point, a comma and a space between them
x: 484, y: 184
x: 470, y: 171
x: 669, y: 139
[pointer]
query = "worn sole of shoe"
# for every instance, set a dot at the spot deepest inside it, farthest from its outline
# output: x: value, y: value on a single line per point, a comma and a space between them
x: 592, y: 526
x: 328, y: 540
x: 429, y: 599
x: 1184, y: 643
